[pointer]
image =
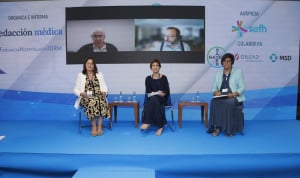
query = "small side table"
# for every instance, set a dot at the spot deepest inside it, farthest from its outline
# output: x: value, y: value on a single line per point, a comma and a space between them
x: 114, y: 106
x: 204, y: 110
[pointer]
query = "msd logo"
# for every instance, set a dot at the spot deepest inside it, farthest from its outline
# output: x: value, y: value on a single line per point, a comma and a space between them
x: 240, y: 29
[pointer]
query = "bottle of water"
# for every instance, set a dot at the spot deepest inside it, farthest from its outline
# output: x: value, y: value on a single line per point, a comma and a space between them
x: 115, y: 98
x: 198, y: 96
x: 121, y: 96
x: 134, y: 96
x: 129, y: 98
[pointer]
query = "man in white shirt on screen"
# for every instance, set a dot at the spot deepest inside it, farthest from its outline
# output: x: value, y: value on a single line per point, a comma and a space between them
x: 98, y: 45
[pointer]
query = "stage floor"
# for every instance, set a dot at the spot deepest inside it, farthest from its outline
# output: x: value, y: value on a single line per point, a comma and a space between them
x: 57, y: 149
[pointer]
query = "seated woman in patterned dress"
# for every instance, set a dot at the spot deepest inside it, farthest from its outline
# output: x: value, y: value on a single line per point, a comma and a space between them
x: 91, y: 89
x: 157, y: 93
x: 226, y: 112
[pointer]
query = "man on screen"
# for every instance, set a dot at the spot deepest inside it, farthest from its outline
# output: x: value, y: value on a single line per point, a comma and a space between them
x: 172, y: 41
x: 98, y: 45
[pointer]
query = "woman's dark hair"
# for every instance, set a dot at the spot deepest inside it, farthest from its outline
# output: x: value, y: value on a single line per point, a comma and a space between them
x: 84, y: 64
x: 155, y: 61
x: 228, y: 55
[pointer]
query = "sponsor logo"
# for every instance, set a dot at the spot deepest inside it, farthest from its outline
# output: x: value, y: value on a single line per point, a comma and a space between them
x: 240, y: 29
x: 248, y: 57
x: 285, y: 58
x: 274, y: 57
x: 214, y: 56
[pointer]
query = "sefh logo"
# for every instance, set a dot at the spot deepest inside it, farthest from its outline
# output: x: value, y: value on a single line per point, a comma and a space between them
x: 239, y: 28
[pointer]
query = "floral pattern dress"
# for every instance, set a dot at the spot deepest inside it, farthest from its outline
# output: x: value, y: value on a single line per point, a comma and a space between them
x: 95, y: 105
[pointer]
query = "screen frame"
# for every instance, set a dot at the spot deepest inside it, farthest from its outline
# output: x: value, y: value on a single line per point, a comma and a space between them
x: 137, y: 12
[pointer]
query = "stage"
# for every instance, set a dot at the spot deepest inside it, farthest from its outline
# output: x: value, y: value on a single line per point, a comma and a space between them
x: 56, y: 149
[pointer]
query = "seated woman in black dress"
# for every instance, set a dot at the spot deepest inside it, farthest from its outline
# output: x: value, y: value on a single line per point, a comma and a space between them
x: 157, y: 93
x: 225, y: 112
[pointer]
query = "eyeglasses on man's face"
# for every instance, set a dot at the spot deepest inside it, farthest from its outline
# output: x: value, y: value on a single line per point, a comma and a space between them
x: 169, y: 36
x: 97, y: 36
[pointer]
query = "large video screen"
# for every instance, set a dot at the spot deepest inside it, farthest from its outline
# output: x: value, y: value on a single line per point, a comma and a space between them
x: 135, y: 34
